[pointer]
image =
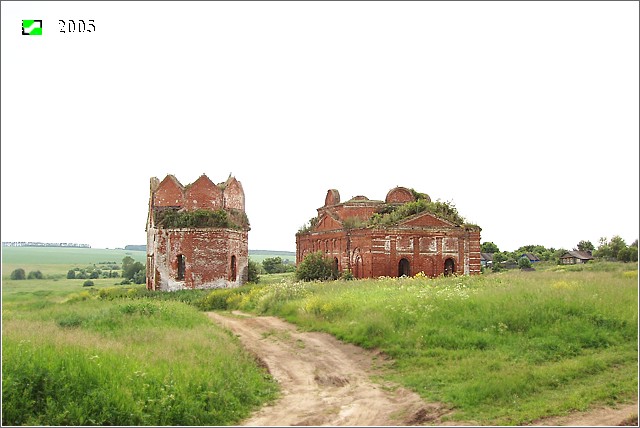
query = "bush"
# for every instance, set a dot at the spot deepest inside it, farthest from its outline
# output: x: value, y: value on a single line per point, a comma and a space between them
x: 18, y: 274
x: 140, y: 277
x: 35, y: 275
x: 524, y: 263
x: 347, y: 275
x: 88, y: 283
x: 71, y: 274
x: 315, y: 267
x: 254, y: 270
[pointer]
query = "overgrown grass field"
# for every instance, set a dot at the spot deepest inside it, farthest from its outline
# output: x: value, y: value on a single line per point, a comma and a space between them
x: 96, y: 356
x: 505, y: 348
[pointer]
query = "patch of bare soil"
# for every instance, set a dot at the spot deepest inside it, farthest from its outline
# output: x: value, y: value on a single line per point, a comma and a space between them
x: 323, y: 381
x: 328, y: 382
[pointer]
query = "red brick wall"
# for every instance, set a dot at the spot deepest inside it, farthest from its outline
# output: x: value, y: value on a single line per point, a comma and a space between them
x: 233, y: 195
x: 213, y: 257
x: 425, y: 241
x: 203, y: 194
x: 332, y: 198
x: 208, y: 255
x: 399, y: 195
x: 380, y: 250
x: 169, y: 193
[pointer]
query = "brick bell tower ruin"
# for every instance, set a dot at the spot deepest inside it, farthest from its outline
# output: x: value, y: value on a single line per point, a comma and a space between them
x: 196, y: 234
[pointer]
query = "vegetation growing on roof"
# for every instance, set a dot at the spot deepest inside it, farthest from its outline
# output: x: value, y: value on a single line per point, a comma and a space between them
x: 309, y: 225
x: 390, y: 214
x: 419, y: 195
x: 173, y: 219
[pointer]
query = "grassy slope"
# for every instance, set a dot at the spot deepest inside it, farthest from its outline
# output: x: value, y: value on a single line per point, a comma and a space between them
x: 70, y: 357
x: 500, y: 349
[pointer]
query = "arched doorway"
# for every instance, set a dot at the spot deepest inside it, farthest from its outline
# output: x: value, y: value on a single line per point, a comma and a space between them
x: 233, y: 268
x: 404, y: 268
x: 358, y: 268
x: 449, y: 267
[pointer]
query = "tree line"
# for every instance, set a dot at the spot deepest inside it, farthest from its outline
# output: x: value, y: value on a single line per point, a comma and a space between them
x: 614, y: 249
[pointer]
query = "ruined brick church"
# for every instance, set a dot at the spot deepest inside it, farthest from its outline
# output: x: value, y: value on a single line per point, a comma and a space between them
x: 366, y: 238
x: 196, y: 234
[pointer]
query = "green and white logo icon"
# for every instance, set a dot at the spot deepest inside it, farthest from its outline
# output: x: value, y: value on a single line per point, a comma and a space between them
x: 32, y: 27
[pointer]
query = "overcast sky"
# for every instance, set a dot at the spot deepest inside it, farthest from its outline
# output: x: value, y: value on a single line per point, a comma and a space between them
x: 523, y: 114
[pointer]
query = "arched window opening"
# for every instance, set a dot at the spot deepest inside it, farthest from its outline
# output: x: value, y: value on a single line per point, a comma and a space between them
x: 404, y: 268
x: 233, y: 268
x: 181, y: 266
x: 449, y: 267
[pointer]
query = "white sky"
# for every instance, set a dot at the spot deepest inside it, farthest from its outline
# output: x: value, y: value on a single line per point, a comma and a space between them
x: 523, y: 114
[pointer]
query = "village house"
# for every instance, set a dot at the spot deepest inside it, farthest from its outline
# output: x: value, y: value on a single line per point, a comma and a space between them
x: 197, y: 235
x: 575, y: 257
x: 486, y: 260
x: 369, y: 239
x: 532, y: 257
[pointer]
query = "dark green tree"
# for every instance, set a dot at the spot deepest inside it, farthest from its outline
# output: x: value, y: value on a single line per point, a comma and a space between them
x: 524, y: 262
x: 254, y: 272
x: 127, y: 262
x: 71, y: 274
x: 489, y: 247
x: 603, y: 250
x: 616, y: 244
x: 498, y: 258
x: 132, y: 269
x: 585, y: 246
x: 273, y: 265
x: 35, y: 274
x: 624, y: 255
x: 18, y: 274
x: 633, y: 251
x: 140, y: 277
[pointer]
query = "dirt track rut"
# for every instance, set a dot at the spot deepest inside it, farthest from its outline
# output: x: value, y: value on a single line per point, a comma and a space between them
x: 323, y: 381
x: 328, y: 382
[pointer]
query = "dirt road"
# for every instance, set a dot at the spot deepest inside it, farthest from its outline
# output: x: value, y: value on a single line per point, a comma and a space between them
x: 327, y: 382
x: 323, y: 381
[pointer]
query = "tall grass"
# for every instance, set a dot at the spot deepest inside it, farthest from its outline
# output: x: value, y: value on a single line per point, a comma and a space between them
x: 504, y: 348
x: 100, y: 361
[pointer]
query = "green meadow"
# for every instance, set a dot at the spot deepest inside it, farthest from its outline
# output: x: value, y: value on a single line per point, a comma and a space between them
x: 499, y: 349
x: 74, y: 355
x: 505, y: 348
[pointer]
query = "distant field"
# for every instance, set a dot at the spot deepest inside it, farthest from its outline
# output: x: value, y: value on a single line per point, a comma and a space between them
x: 56, y: 261
x: 260, y: 255
x: 65, y: 255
